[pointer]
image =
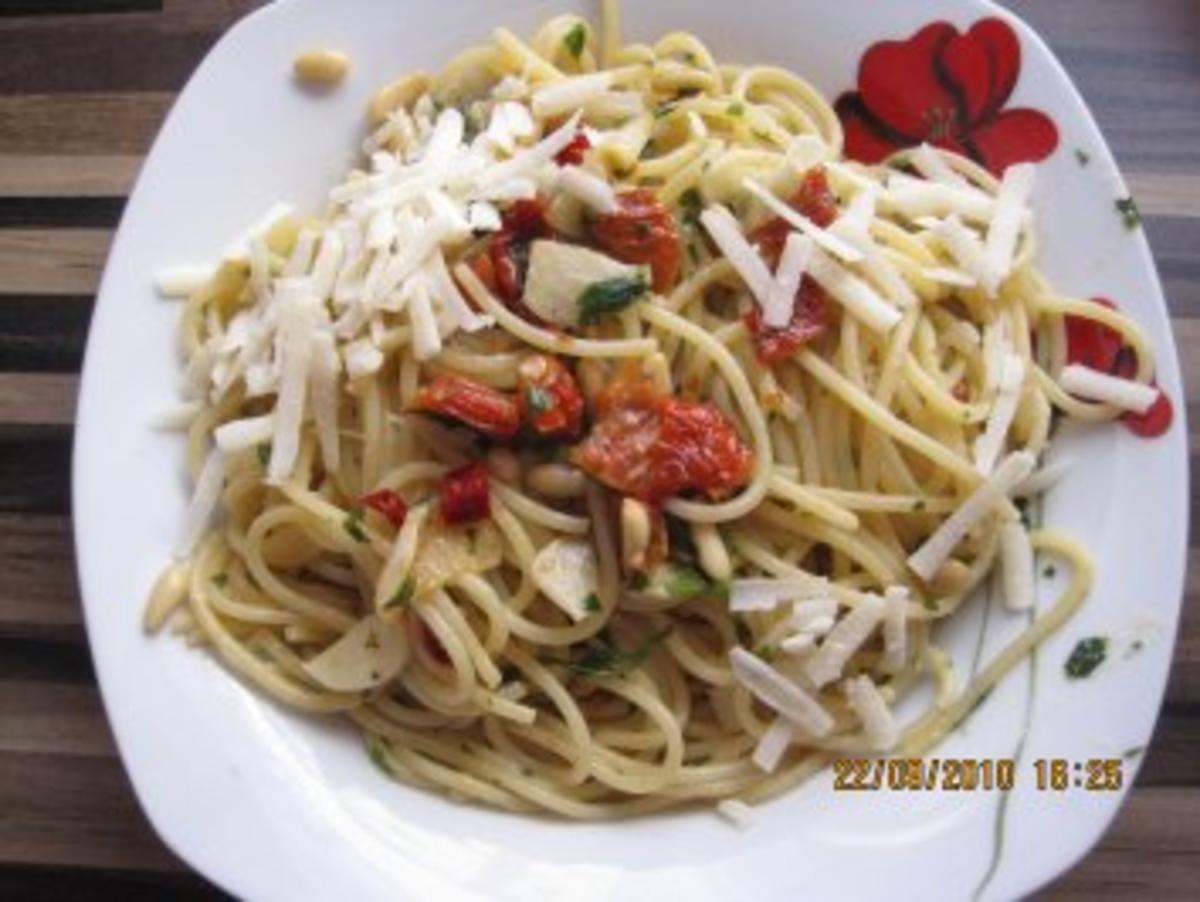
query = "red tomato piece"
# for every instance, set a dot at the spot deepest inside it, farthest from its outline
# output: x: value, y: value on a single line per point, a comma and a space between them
x: 642, y: 231
x: 809, y: 322
x: 652, y: 447
x: 572, y: 154
x: 464, y: 495
x: 471, y: 403
x: 388, y: 503
x: 815, y: 199
x: 548, y: 397
x: 502, y: 269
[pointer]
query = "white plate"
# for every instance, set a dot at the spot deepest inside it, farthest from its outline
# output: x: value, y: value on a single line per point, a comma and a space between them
x: 276, y: 806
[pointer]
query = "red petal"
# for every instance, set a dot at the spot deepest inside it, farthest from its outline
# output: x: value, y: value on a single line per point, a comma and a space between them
x: 1014, y: 136
x: 1004, y: 58
x: 865, y: 141
x: 899, y: 84
x: 1155, y: 421
x: 963, y: 62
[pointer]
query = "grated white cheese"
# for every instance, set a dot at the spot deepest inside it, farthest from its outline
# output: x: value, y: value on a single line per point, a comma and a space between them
x: 1043, y: 479
x: 967, y: 250
x: 878, y: 267
x: 426, y: 339
x: 844, y: 640
x: 878, y: 723
x: 990, y: 442
x: 446, y: 291
x: 177, y: 417
x: 727, y: 235
x: 1093, y: 385
x: 529, y: 159
x: 765, y: 594
x: 182, y: 281
x: 238, y: 435
x: 780, y: 303
x: 928, y: 559
x: 779, y: 693
x: 595, y: 192
x: 859, y: 298
x: 324, y: 389
x: 736, y: 812
x: 1011, y: 211
x: 773, y: 745
x: 205, y: 497
x: 895, y: 633
x: 821, y: 237
x: 1016, y: 556
x: 510, y: 122
x: 294, y: 349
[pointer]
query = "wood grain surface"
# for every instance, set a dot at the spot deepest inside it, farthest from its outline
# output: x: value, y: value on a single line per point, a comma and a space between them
x: 84, y: 85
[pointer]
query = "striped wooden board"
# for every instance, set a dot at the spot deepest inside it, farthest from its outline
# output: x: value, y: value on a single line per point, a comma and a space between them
x: 84, y: 85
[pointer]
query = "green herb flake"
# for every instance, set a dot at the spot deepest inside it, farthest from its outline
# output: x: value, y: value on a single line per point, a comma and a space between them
x: 403, y: 596
x: 538, y: 400
x: 737, y: 108
x: 1128, y: 209
x: 1082, y: 156
x: 353, y: 524
x: 918, y: 505
x: 604, y: 659
x: 685, y: 583
x: 691, y: 204
x: 1049, y: 572
x: 377, y: 749
x: 264, y: 454
x: 591, y: 603
x: 929, y: 604
x: 372, y: 640
x: 766, y: 653
x: 220, y: 580
x: 575, y: 39
x: 663, y: 110
x: 608, y: 296
x: 1087, y: 655
x: 1130, y: 753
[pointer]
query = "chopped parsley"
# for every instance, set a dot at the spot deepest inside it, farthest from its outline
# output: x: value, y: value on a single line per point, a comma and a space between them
x: 609, y: 296
x: 737, y: 108
x: 353, y: 524
x: 918, y: 506
x: 220, y: 580
x: 665, y: 109
x: 685, y: 583
x: 1087, y: 655
x: 377, y: 748
x: 372, y: 640
x: 591, y: 602
x: 264, y: 454
x: 403, y: 595
x: 1130, y: 753
x: 604, y: 659
x: 766, y: 653
x: 929, y: 604
x: 575, y: 39
x: 691, y: 204
x: 1082, y: 156
x: 1128, y: 209
x: 538, y: 399
x: 1049, y: 571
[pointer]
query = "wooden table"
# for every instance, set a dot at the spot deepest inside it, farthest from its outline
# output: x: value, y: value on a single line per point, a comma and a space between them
x: 84, y: 85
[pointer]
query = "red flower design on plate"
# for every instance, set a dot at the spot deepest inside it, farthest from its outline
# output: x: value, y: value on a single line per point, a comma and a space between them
x: 946, y: 88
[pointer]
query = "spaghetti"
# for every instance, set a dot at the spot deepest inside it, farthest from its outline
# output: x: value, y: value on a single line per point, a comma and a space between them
x: 610, y: 442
